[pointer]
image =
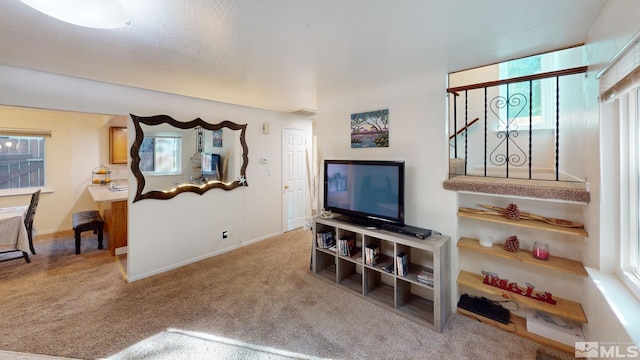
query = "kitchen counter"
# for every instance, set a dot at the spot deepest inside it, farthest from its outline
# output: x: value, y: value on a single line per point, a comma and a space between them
x: 113, y: 207
x: 102, y: 193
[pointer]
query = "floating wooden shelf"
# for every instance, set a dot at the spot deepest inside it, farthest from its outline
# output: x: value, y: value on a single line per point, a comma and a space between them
x: 563, y: 307
x: 531, y: 224
x: 557, y: 263
x: 518, y: 326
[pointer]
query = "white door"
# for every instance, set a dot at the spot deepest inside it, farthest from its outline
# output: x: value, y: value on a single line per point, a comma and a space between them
x: 294, y: 178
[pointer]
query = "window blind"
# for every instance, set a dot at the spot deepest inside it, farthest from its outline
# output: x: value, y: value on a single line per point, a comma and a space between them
x: 622, y: 72
x: 24, y: 132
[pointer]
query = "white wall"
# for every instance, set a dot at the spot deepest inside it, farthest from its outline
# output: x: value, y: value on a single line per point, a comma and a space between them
x: 417, y: 135
x: 167, y: 234
x: 616, y: 25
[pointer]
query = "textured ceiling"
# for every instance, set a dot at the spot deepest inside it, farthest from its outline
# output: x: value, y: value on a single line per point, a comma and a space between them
x: 279, y: 54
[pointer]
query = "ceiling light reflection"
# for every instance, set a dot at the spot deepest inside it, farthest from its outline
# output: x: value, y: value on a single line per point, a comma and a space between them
x: 97, y: 14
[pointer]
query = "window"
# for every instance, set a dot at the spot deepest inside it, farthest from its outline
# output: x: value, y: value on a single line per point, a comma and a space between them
x: 160, y: 154
x: 523, y: 67
x: 22, y: 161
x: 542, y: 91
x: 543, y: 112
x: 630, y: 188
x: 620, y: 103
x: 620, y: 215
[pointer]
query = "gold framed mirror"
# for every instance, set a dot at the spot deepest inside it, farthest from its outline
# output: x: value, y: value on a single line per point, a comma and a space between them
x: 160, y: 159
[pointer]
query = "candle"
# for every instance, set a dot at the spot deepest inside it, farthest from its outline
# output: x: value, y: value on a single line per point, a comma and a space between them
x: 486, y: 241
x: 541, y: 250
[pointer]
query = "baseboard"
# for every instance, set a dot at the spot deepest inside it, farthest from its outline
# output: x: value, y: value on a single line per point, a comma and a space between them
x: 53, y: 235
x: 121, y: 250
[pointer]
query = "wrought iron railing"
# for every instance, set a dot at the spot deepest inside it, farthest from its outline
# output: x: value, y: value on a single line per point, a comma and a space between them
x: 504, y: 113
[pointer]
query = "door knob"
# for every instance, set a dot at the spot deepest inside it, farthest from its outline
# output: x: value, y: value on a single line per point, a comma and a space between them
x: 286, y: 187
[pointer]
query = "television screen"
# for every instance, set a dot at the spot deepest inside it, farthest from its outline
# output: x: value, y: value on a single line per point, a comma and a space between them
x: 369, y: 190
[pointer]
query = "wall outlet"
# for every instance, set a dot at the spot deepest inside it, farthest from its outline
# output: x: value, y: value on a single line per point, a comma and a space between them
x: 225, y: 234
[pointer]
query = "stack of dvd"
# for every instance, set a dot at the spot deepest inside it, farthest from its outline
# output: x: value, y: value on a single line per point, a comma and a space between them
x: 425, y: 277
x: 324, y: 240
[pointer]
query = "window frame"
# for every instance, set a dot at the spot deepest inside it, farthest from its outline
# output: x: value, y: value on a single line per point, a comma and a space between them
x: 177, y: 151
x: 629, y: 134
x: 41, y: 137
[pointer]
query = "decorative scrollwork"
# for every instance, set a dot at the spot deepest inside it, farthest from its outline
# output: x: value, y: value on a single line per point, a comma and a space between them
x: 507, y: 130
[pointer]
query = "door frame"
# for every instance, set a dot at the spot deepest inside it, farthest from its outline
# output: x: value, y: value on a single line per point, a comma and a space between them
x: 306, y: 202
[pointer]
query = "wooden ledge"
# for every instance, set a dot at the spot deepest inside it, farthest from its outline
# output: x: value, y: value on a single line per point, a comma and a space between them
x: 538, y: 189
x: 563, y: 307
x: 555, y: 262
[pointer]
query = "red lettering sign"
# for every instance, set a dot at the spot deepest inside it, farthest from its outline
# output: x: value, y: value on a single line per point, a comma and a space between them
x: 494, y: 280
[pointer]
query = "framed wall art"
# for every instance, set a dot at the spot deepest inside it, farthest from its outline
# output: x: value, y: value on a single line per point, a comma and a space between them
x: 370, y: 129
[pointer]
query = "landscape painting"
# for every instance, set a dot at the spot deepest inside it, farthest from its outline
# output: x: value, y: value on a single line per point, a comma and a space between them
x: 370, y: 129
x: 217, y: 138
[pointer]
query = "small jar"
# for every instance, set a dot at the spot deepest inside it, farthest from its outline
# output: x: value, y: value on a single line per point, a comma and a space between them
x: 486, y: 241
x: 541, y: 250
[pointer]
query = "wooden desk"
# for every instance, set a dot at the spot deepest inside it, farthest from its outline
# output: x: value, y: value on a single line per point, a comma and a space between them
x: 113, y: 206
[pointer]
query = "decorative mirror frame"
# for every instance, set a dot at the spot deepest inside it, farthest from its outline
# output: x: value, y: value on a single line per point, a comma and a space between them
x: 199, y: 189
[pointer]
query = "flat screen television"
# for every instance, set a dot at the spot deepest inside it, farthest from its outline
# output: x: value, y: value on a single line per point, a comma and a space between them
x: 210, y: 166
x: 367, y: 191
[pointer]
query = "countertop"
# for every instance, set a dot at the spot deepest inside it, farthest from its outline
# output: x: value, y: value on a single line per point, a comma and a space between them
x: 101, y: 193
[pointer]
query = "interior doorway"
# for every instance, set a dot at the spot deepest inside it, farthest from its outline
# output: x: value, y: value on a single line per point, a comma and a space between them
x: 293, y: 178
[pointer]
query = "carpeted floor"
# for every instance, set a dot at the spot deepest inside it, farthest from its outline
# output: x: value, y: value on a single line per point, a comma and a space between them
x: 257, y: 302
x: 539, y: 189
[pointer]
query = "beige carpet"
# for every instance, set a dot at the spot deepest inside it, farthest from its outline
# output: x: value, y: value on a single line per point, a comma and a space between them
x: 258, y: 302
x: 540, y: 189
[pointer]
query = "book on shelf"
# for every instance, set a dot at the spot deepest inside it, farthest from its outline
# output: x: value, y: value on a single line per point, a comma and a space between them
x: 425, y: 277
x: 324, y: 239
x: 372, y: 255
x: 347, y: 247
x: 402, y: 264
x: 554, y: 327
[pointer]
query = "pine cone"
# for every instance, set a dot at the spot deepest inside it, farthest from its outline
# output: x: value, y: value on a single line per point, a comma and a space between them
x: 512, y: 212
x: 512, y: 244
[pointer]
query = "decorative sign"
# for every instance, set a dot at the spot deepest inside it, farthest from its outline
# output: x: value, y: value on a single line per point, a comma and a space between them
x: 493, y: 279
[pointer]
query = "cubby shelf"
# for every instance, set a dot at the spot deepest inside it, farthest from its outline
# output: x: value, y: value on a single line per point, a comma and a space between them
x: 531, y: 224
x: 428, y: 305
x: 563, y: 307
x: 557, y: 263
